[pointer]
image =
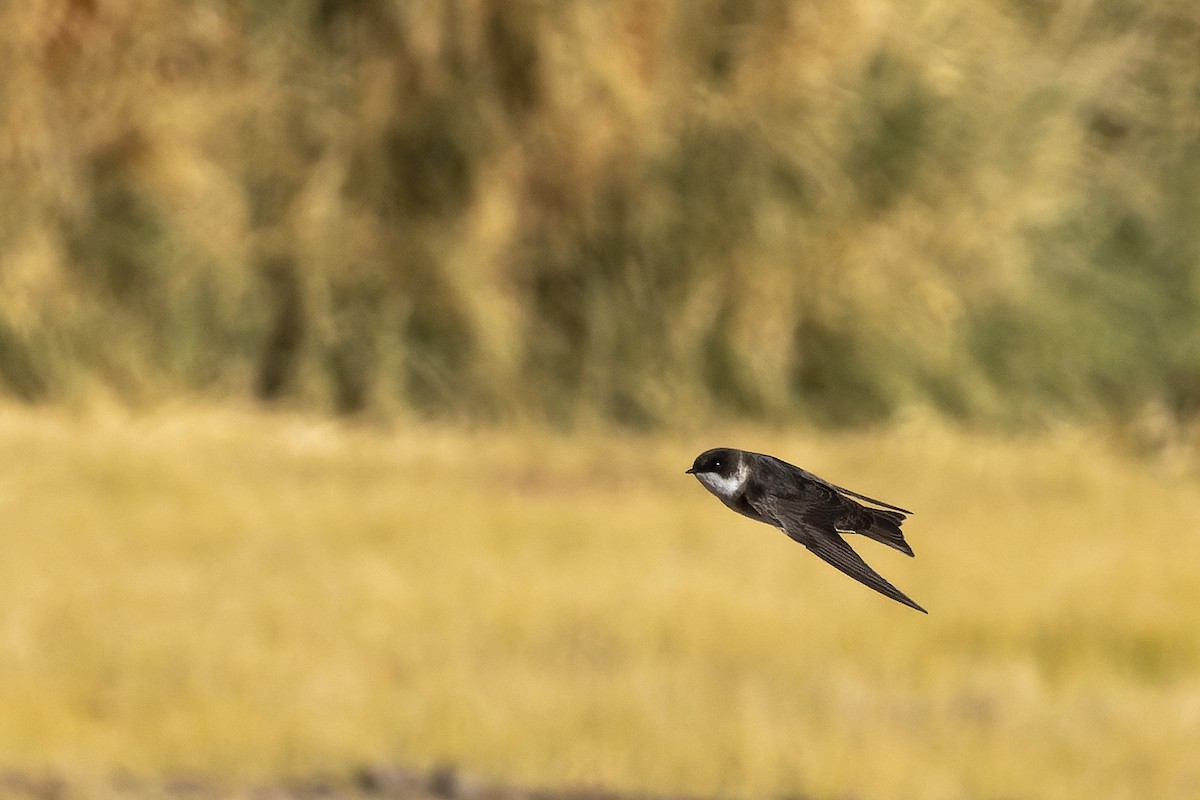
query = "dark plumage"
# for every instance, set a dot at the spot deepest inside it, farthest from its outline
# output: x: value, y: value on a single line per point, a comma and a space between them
x: 808, y: 509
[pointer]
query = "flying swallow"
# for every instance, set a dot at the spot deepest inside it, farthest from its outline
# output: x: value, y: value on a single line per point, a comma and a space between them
x: 810, y: 510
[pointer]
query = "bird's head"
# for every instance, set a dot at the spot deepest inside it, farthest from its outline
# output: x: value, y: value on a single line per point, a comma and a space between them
x: 723, y: 470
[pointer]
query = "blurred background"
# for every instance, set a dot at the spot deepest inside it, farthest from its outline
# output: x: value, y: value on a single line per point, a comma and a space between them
x: 486, y: 210
x: 350, y: 351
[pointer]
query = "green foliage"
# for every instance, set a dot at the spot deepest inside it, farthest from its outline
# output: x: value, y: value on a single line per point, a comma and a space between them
x: 508, y: 210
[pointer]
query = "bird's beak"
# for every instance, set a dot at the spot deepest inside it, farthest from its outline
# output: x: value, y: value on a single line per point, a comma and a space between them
x: 689, y: 472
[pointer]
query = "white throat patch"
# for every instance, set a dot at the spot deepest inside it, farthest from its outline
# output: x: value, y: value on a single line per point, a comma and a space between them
x: 722, y: 486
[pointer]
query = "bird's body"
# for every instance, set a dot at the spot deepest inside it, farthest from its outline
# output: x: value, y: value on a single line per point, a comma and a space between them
x: 808, y: 509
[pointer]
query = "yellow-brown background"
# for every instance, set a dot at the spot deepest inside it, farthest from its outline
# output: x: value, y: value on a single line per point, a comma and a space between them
x: 532, y: 257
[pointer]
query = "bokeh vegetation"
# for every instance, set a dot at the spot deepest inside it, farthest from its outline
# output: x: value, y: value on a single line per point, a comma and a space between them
x: 491, y: 210
x: 759, y: 219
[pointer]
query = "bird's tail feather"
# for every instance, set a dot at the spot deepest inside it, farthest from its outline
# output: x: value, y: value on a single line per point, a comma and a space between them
x: 885, y: 528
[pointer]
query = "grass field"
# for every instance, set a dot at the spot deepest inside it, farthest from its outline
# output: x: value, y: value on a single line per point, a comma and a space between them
x: 235, y: 594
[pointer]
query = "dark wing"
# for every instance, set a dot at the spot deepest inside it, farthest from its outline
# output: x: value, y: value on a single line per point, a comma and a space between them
x: 808, y: 517
x: 833, y: 549
x: 879, y: 503
x: 881, y: 524
x: 810, y: 476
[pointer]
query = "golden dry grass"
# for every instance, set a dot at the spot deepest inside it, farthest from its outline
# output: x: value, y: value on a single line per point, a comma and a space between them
x: 238, y: 594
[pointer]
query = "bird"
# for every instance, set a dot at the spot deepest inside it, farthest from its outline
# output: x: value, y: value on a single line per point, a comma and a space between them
x: 810, y: 510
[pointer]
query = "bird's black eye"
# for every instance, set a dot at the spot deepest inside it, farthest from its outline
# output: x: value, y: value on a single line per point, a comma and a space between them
x: 717, y: 464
